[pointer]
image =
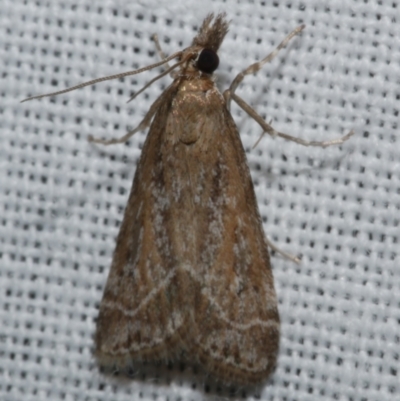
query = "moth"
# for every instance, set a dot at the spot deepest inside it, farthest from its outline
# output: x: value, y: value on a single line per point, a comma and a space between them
x: 191, y: 277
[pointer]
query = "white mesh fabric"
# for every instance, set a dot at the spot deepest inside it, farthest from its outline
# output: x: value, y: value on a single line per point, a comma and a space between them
x: 62, y: 198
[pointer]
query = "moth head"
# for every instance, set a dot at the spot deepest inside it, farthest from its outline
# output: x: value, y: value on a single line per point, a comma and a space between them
x: 211, y: 34
x: 196, y: 59
x: 207, y: 61
x: 202, y: 54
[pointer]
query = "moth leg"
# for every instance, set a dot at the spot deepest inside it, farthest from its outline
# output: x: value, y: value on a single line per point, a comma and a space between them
x: 167, y: 69
x: 257, y: 66
x: 283, y: 253
x: 267, y: 128
x: 143, y: 125
x: 271, y: 131
x: 161, y: 54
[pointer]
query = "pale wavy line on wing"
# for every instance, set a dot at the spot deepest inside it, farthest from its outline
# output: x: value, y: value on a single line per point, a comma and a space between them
x: 230, y: 360
x: 171, y: 329
x: 145, y: 301
x: 255, y: 322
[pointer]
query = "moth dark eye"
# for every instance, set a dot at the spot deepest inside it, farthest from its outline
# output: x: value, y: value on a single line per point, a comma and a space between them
x: 208, y: 61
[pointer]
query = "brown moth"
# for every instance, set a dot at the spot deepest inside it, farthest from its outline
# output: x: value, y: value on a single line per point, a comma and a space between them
x: 191, y: 277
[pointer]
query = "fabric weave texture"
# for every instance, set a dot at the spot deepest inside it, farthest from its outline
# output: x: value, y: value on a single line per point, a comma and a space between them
x: 62, y: 198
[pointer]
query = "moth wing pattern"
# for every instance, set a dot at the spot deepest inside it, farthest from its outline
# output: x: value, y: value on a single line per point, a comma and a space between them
x: 235, y: 333
x: 191, y: 269
x: 141, y: 311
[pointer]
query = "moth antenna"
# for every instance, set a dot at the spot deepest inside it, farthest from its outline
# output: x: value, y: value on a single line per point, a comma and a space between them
x: 108, y: 78
x: 166, y: 72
